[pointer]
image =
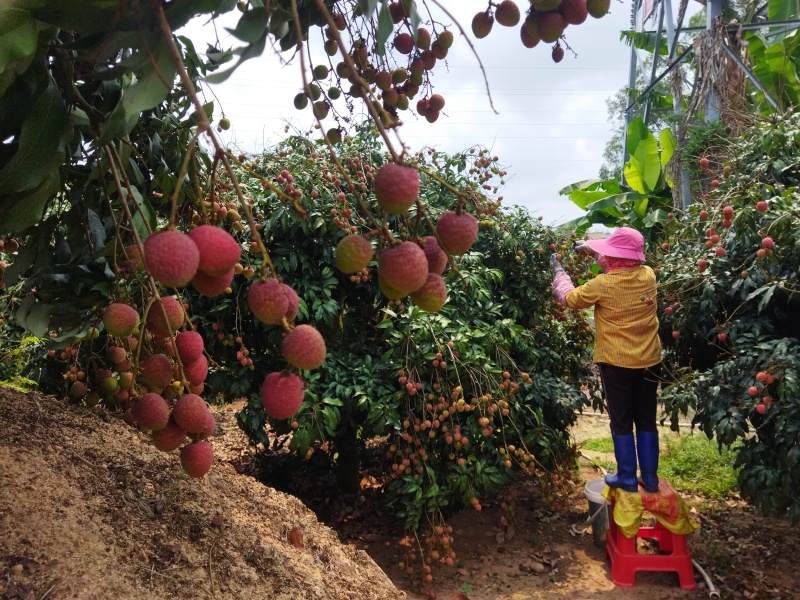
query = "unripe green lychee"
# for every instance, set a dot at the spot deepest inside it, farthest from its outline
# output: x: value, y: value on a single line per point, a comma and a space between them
x: 190, y: 413
x: 267, y: 301
x: 224, y: 123
x: 598, y: 8
x: 396, y: 187
x: 507, y: 13
x: 282, y: 394
x: 445, y: 39
x: 169, y: 438
x: 457, y: 232
x: 120, y: 319
x: 77, y: 390
x: 219, y: 251
x: 404, y: 267
x: 320, y: 72
x: 482, y: 24
x: 300, y: 101
x: 189, y: 345
x: 210, y: 286
x: 196, y: 371
x: 150, y: 411
x: 197, y: 458
x: 431, y: 296
x: 171, y: 257
x: 353, y: 253
x: 157, y: 372
x: 304, y: 347
x: 437, y: 259
x: 109, y: 385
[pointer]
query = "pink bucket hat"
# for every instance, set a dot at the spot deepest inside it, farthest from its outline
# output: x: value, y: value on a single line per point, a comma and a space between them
x: 624, y: 242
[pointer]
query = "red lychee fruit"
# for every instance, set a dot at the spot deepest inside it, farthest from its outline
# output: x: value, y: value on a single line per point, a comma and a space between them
x: 175, y: 317
x: 197, y: 458
x: 701, y: 265
x: 703, y: 215
x: 189, y: 345
x: 120, y: 319
x: 190, y: 413
x: 768, y: 242
x: 704, y: 163
x: 157, y: 371
x: 304, y: 347
x: 208, y: 430
x: 436, y: 102
x: 549, y: 25
x: 196, y: 371
x: 219, y: 251
x: 383, y: 80
x: 507, y: 13
x: 422, y: 106
x: 574, y: 11
x: 282, y: 394
x: 728, y: 212
x: 423, y: 38
x: 116, y: 354
x: 150, y: 411
x: 294, y: 302
x: 432, y: 115
x: 268, y: 301
x: 558, y: 53
x: 762, y: 206
x: 437, y: 259
x: 598, y: 8
x: 482, y: 24
x: 529, y: 35
x: 396, y: 187
x: 404, y: 267
x: 397, y: 12
x: 389, y: 291
x: 719, y: 251
x: 714, y: 184
x: 457, y: 232
x: 211, y: 286
x: 171, y: 257
x: 353, y: 253
x: 169, y: 438
x: 431, y: 296
x: 404, y: 43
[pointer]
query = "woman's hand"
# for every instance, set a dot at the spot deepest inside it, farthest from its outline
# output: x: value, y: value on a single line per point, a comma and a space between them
x: 554, y: 263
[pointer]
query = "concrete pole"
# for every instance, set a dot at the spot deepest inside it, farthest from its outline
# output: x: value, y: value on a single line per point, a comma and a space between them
x: 713, y: 10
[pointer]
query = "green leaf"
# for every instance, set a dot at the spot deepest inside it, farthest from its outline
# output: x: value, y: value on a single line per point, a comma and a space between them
x: 385, y: 28
x: 251, y: 26
x: 251, y: 50
x: 18, y: 43
x: 667, y: 142
x: 782, y: 10
x: 580, y: 185
x: 367, y: 7
x: 582, y: 199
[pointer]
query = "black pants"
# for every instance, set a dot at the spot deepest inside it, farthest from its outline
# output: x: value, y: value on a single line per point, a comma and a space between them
x: 631, y: 397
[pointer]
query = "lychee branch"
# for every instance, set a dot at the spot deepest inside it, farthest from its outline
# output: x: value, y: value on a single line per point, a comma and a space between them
x: 360, y: 83
x: 181, y: 174
x: 204, y: 125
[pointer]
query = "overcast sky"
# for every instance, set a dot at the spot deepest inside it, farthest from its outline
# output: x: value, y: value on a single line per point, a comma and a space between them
x: 552, y: 124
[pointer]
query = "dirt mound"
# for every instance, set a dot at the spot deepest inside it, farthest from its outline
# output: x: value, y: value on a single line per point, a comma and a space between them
x: 89, y: 509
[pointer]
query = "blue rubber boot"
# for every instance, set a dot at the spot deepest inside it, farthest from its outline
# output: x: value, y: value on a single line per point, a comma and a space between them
x: 625, y: 452
x: 647, y: 446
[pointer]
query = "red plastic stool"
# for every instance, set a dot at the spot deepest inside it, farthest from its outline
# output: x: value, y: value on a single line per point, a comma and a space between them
x: 626, y: 561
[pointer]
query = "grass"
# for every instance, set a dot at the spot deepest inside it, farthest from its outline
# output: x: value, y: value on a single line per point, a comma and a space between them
x: 691, y: 463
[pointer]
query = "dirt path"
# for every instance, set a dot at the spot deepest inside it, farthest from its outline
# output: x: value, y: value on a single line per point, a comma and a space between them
x: 88, y: 509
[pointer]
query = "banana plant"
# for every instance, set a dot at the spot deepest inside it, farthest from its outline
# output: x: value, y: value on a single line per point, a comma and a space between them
x: 643, y: 200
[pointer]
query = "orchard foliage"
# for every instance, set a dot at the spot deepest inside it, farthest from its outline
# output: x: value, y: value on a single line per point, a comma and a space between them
x: 730, y: 282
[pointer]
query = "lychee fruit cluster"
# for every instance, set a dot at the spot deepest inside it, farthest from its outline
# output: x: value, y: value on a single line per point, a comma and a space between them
x: 206, y: 257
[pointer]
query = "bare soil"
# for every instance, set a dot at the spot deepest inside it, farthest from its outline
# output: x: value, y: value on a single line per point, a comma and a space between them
x: 89, y: 509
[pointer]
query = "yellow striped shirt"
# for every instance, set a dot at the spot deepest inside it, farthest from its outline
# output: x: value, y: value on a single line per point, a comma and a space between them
x: 627, y: 326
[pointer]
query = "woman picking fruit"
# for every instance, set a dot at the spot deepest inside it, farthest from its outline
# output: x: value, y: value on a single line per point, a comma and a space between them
x: 627, y: 348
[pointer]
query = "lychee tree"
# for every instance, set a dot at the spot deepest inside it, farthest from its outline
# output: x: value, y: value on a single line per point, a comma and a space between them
x: 728, y: 293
